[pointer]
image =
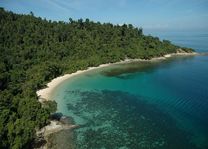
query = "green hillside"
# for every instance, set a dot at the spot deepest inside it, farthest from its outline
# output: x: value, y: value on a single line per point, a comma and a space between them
x: 33, y: 51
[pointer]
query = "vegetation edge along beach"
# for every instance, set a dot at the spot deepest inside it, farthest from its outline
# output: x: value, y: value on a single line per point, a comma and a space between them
x: 45, y: 93
x: 34, y: 51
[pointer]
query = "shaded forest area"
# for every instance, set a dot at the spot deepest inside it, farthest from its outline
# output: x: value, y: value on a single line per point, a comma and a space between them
x: 33, y: 51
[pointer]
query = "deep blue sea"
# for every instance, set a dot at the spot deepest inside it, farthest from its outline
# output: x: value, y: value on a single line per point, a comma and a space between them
x: 143, y: 105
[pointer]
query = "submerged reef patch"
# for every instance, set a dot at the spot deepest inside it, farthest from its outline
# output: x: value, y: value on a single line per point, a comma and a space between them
x: 116, y: 119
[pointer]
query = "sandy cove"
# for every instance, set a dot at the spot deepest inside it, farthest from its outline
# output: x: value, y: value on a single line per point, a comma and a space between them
x: 44, y: 94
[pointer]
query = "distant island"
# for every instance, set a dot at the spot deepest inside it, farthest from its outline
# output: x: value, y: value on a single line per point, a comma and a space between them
x: 34, y: 51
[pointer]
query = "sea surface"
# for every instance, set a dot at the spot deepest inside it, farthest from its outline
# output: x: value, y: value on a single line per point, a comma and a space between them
x: 142, y: 105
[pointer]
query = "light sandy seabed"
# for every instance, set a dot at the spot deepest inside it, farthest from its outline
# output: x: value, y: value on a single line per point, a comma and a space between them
x: 44, y: 94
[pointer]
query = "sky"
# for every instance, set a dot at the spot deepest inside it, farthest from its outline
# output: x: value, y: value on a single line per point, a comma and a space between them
x: 148, y: 14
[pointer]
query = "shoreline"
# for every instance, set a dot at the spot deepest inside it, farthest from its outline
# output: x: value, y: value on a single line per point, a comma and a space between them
x: 45, y: 93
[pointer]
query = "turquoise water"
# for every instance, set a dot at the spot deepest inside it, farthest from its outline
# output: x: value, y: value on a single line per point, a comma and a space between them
x: 145, y: 105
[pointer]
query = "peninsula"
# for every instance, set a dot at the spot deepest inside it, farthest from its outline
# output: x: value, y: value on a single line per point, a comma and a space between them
x: 33, y: 51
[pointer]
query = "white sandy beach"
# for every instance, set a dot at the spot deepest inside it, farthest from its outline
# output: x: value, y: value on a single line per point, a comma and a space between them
x: 44, y: 94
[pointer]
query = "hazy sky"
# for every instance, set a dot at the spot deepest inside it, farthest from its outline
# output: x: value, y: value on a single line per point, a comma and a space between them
x: 150, y: 14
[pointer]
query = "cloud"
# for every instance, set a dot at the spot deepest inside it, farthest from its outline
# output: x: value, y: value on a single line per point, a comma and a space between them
x: 58, y: 6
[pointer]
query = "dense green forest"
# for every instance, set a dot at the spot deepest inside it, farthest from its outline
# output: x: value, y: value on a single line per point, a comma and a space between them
x: 33, y: 51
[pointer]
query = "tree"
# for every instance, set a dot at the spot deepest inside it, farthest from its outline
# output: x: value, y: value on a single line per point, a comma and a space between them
x: 140, y: 31
x: 70, y: 20
x: 33, y: 51
x: 31, y: 13
x: 51, y: 106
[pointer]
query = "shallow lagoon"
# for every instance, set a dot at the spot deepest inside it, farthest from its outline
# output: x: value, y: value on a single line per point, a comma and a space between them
x: 147, y: 105
x: 139, y: 105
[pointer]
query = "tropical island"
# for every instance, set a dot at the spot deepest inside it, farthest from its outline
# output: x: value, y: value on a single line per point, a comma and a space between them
x: 33, y: 51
